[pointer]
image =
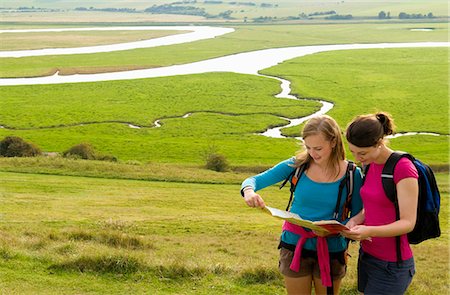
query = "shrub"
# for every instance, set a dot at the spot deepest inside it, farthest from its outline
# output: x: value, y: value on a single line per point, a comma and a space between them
x: 216, y: 162
x: 82, y: 151
x: 13, y: 146
x: 87, y: 152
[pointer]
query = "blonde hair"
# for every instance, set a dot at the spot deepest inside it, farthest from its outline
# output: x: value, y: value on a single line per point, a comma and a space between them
x: 328, y: 127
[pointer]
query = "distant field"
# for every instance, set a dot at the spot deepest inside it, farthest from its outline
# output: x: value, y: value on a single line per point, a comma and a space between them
x: 274, y: 9
x: 107, y: 236
x: 356, y: 8
x: 74, y: 17
x: 245, y: 38
x: 24, y: 41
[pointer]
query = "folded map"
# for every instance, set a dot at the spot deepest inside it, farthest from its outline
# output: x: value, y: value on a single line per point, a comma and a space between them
x: 322, y: 226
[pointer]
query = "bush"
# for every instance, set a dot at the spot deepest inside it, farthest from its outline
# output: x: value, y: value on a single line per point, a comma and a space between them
x: 81, y: 151
x: 87, y: 152
x: 216, y: 162
x: 13, y: 146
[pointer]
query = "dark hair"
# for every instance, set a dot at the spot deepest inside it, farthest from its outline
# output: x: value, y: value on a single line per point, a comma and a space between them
x: 368, y: 130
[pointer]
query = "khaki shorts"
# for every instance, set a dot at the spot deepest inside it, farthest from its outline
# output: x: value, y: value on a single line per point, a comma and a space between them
x: 309, y: 266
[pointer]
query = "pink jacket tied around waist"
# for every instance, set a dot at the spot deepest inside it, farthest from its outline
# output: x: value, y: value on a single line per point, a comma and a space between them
x: 322, y: 251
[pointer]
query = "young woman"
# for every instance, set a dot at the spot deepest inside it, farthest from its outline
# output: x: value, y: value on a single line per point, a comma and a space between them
x: 315, y: 198
x: 379, y: 270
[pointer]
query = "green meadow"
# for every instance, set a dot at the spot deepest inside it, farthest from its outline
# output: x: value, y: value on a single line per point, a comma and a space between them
x: 364, y: 81
x: 228, y: 114
x: 156, y: 221
x: 245, y: 38
x: 84, y: 235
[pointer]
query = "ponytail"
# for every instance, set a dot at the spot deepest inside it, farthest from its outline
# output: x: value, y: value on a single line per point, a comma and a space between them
x: 386, y: 122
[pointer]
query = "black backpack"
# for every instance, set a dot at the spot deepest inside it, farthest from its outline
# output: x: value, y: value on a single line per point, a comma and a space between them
x: 427, y: 222
x: 347, y: 181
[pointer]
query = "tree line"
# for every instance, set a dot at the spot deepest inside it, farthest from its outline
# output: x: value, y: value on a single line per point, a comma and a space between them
x: 185, y: 7
x: 404, y: 15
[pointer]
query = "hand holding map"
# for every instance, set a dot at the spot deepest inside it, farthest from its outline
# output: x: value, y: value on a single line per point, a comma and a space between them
x: 323, y: 226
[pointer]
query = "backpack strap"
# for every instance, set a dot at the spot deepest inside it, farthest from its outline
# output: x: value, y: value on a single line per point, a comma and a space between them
x: 387, y: 175
x: 293, y: 178
x: 348, y: 183
x: 365, y: 170
x: 387, y: 180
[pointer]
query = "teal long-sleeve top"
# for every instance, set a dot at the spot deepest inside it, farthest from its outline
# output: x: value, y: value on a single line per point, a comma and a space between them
x: 312, y: 200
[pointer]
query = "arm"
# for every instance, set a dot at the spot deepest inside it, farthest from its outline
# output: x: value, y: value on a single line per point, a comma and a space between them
x: 264, y: 179
x: 253, y: 199
x: 407, y: 194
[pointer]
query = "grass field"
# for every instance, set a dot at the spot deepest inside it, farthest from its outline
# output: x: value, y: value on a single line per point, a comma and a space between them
x: 26, y: 41
x: 233, y: 107
x: 367, y: 80
x: 77, y: 235
x: 245, y: 38
x: 33, y: 19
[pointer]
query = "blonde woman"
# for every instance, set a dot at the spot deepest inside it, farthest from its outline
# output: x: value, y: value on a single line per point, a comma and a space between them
x: 301, y: 263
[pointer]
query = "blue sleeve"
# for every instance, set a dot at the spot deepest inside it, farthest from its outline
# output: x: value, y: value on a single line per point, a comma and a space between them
x: 269, y: 177
x: 357, y: 204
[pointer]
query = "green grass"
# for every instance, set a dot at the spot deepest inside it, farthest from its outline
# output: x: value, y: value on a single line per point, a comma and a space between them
x: 62, y: 234
x: 233, y: 107
x: 365, y: 81
x: 141, y: 102
x: 245, y: 38
x: 409, y: 83
x: 127, y: 170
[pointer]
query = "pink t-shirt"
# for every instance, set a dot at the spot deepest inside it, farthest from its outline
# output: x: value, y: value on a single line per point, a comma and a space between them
x: 379, y: 210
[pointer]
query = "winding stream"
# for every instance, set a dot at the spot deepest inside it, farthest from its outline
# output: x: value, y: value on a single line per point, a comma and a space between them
x: 195, y: 33
x: 243, y: 63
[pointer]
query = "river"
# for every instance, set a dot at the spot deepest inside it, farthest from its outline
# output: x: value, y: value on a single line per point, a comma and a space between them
x: 194, y: 33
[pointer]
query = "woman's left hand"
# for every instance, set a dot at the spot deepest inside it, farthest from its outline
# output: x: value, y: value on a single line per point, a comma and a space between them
x: 358, y: 233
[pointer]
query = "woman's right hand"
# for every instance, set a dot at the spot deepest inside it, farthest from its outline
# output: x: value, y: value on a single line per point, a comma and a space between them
x: 253, y: 199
